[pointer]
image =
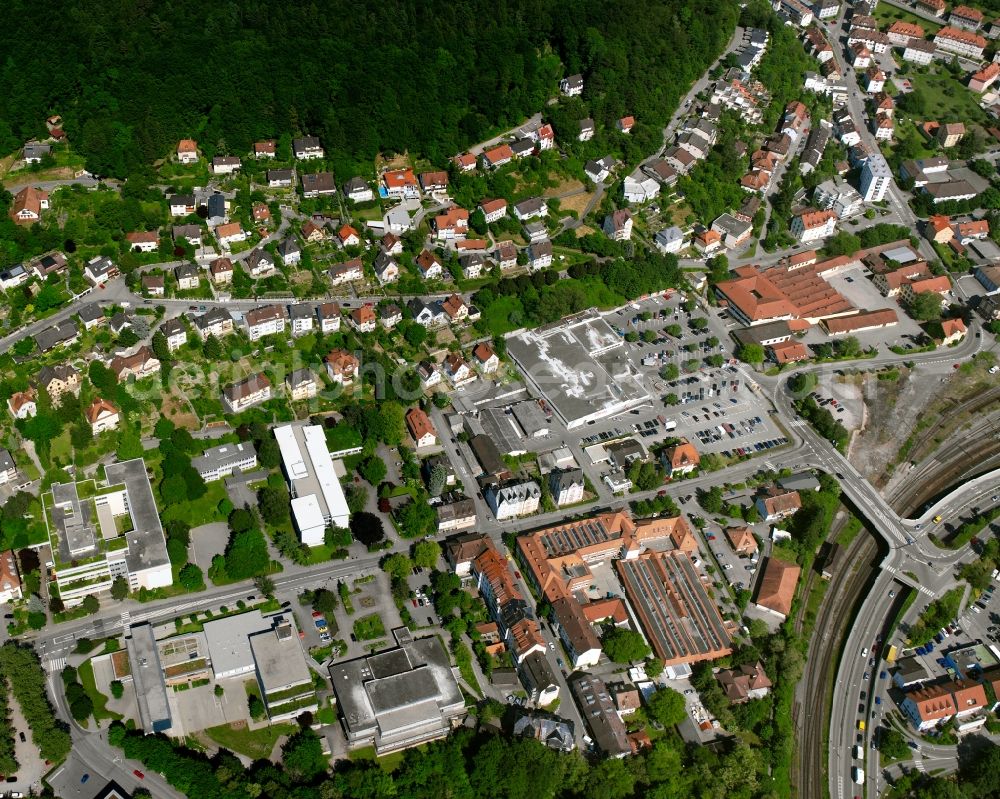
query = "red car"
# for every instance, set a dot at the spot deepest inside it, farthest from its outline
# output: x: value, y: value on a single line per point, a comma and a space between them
x: 316, y: 614
x: 139, y: 774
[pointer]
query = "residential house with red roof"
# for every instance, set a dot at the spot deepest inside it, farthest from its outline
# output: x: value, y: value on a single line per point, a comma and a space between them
x: 466, y: 162
x: 744, y: 683
x: 421, y: 429
x: 741, y: 539
x: 341, y: 366
x: 493, y: 210
x: 143, y: 241
x: 28, y: 205
x: 966, y: 17
x: 682, y: 458
x: 433, y: 181
x: 10, y: 579
x: 429, y: 265
x: 952, y: 331
x: 960, y: 42
x: 451, y: 224
x: 140, y: 364
x: 498, y: 156
x: 776, y: 588
x: 813, y: 225
x: 101, y: 415
x: 900, y: 33
x: 363, y: 319
x: 776, y: 504
x: 22, y: 404
x: 267, y: 148
x: 485, y: 358
x: 400, y: 184
x: 187, y: 151
x: 348, y: 236
x: 982, y: 80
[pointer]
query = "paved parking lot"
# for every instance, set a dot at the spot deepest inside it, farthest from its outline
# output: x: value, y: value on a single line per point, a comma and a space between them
x: 199, y: 708
x: 981, y: 619
x: 207, y: 541
x: 31, y: 766
x: 738, y: 570
x: 68, y: 781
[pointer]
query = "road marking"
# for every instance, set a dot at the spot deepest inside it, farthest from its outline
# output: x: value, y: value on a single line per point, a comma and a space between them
x: 918, y: 764
x: 56, y: 664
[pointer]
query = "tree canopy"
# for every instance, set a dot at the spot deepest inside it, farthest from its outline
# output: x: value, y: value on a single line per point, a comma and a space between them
x: 437, y: 84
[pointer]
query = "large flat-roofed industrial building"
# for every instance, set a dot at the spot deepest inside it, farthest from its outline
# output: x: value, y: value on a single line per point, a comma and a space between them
x: 578, y: 366
x: 317, y: 497
x: 398, y: 698
x: 680, y: 620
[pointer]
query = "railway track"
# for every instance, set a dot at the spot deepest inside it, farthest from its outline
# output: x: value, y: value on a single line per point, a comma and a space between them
x: 972, y: 405
x: 910, y: 496
x: 809, y: 713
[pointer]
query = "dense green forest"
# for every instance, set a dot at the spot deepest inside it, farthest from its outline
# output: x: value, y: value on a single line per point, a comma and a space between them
x: 431, y: 77
x: 468, y: 765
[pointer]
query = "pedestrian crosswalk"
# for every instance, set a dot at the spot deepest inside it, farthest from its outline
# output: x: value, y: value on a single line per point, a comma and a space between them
x: 923, y: 589
x: 918, y: 764
x: 126, y: 618
x: 56, y: 664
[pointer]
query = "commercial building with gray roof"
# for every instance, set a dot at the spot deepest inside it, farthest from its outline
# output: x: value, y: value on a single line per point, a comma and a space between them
x: 577, y: 366
x: 147, y: 679
x: 398, y: 698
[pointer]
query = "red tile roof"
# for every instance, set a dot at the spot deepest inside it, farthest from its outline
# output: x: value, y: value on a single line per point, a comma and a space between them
x: 497, y: 154
x: 419, y: 424
x: 777, y: 586
x: 97, y: 408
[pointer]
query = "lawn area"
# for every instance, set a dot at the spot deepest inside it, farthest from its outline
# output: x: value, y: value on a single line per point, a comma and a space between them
x: 504, y: 315
x: 86, y: 675
x: 783, y: 551
x: 886, y: 15
x: 199, y: 511
x: 907, y: 132
x: 61, y: 448
x: 252, y: 743
x: 947, y: 99
x: 387, y: 763
x: 368, y: 628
